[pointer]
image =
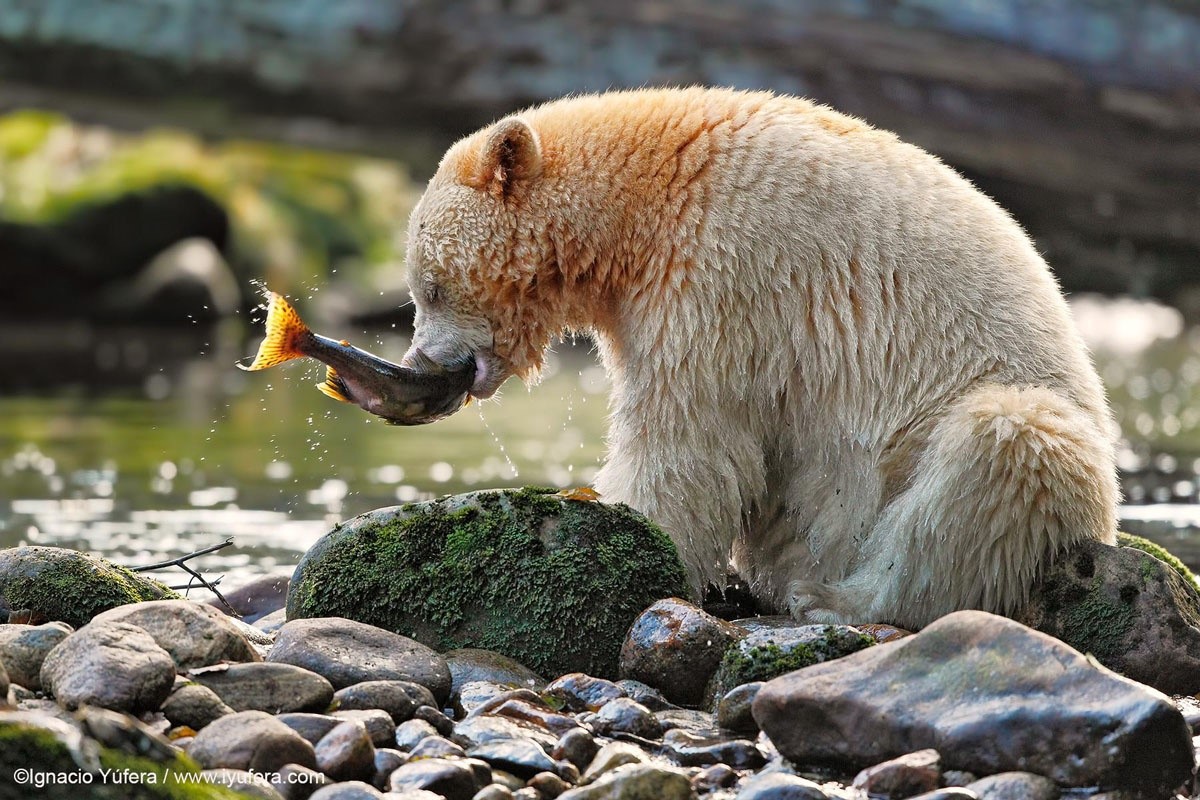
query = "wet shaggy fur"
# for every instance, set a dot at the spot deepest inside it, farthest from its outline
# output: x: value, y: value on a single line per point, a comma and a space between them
x: 832, y: 358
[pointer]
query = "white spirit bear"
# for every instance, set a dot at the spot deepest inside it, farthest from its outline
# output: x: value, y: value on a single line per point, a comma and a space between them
x: 832, y: 358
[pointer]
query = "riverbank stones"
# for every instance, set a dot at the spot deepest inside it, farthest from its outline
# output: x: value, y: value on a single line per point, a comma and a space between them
x: 271, y: 687
x: 195, y: 635
x: 109, y: 664
x: 23, y: 648
x: 251, y: 740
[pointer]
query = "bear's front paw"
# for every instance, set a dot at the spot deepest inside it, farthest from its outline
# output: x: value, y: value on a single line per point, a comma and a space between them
x: 814, y: 603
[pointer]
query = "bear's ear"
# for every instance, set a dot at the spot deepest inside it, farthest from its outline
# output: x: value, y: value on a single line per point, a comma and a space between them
x: 512, y: 153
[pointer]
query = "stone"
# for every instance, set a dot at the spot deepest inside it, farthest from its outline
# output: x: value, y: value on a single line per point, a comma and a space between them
x: 645, y: 694
x: 346, y: 652
x: 521, y: 757
x: 473, y: 695
x: 548, y: 785
x: 686, y: 719
x: 623, y: 715
x: 437, y: 747
x: 195, y: 635
x: 111, y: 665
x: 493, y: 792
x: 271, y: 687
x: 312, y: 727
x: 271, y: 623
x: 714, y: 777
x: 959, y: 793
x: 440, y: 722
x: 69, y: 586
x: 780, y: 786
x: 576, y: 746
x: 536, y: 714
x: 574, y: 571
x: 946, y: 687
x: 295, y: 782
x: 580, y: 692
x: 410, y: 733
x: 636, y: 782
x: 675, y: 647
x: 346, y: 753
x: 4, y: 685
x: 454, y: 780
x: 251, y: 740
x: 692, y: 750
x: 883, y: 633
x: 470, y: 664
x: 195, y: 706
x: 350, y: 790
x: 23, y: 648
x: 734, y: 709
x: 254, y: 600
x: 611, y: 756
x: 771, y: 652
x: 1015, y: 786
x: 246, y: 784
x: 485, y: 728
x: 908, y: 775
x: 1136, y: 614
x: 386, y: 761
x: 400, y: 699
x: 379, y: 724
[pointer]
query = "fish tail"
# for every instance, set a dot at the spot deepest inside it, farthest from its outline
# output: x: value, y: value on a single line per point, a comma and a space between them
x: 285, y: 330
x: 333, y: 386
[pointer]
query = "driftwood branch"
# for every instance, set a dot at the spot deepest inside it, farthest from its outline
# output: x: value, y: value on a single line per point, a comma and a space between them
x: 196, y: 578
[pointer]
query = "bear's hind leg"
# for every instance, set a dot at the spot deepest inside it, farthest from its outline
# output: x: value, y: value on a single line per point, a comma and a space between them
x: 1008, y: 477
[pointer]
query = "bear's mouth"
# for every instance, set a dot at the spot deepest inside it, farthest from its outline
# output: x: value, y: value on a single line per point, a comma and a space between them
x: 490, y: 372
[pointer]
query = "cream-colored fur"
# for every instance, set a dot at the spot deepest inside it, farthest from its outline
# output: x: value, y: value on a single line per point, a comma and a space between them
x: 831, y: 356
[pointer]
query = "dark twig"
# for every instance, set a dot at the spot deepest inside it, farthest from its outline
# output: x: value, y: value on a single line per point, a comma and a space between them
x: 181, y: 562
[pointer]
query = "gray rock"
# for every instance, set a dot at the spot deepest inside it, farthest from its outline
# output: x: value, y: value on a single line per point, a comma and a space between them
x: 270, y: 687
x: 645, y: 694
x: 775, y: 651
x: 111, y: 665
x: 733, y: 710
x: 485, y: 728
x: 521, y: 757
x: 1134, y: 613
x: 1015, y: 786
x: 195, y: 635
x: 622, y: 715
x: 347, y: 652
x: 350, y: 790
x: 271, y: 623
x: 437, y: 747
x: 582, y: 692
x: 780, y: 786
x: 195, y: 706
x: 254, y: 600
x: 577, y: 747
x: 4, y: 685
x: 454, y: 780
x: 312, y: 727
x: 295, y: 782
x: 473, y: 695
x: 676, y: 647
x: 386, y: 762
x: 23, y: 648
x: 635, y: 781
x: 379, y: 724
x: 942, y: 687
x: 714, y: 777
x: 251, y: 740
x: 611, y: 756
x: 469, y: 664
x: 401, y: 699
x: 686, y: 719
x: 346, y: 753
x: 440, y: 722
x: 244, y: 783
x: 548, y: 785
x: 908, y: 775
x: 692, y: 750
x: 493, y: 792
x: 410, y: 733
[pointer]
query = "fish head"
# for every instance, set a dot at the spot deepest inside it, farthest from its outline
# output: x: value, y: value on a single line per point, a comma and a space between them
x: 426, y: 391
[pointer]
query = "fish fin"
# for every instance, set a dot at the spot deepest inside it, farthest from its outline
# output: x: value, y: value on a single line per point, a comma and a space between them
x: 284, y: 331
x: 333, y: 386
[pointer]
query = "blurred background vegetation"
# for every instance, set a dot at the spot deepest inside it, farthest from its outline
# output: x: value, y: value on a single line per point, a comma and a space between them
x: 161, y: 161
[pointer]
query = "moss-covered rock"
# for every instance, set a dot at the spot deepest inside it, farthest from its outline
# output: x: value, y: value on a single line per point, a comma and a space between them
x: 70, y: 586
x: 550, y: 581
x: 81, y: 768
x: 770, y: 652
x: 1159, y: 552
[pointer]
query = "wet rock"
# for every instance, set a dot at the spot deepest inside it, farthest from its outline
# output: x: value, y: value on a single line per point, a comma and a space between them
x: 195, y: 635
x: 494, y: 792
x: 400, y: 699
x: 535, y: 714
x: 958, y: 777
x: 580, y: 692
x: 521, y: 757
x: 312, y: 727
x: 633, y: 781
x: 957, y: 793
x: 485, y: 728
x: 676, y: 647
x: 244, y: 783
x: 350, y: 790
x: 70, y: 586
x: 577, y: 747
x: 295, y: 782
x: 346, y: 752
x: 733, y: 710
x: 454, y: 780
x: 685, y: 719
x: 195, y: 706
x: 251, y: 740
x: 410, y: 733
x: 908, y: 775
x: 535, y: 561
x: 271, y: 623
x: 386, y: 761
x: 346, y: 652
x: 772, y: 652
x: 611, y: 756
x: 474, y: 695
x: 23, y: 648
x: 645, y: 694
x: 271, y: 687
x: 1015, y: 786
x: 712, y: 778
x: 111, y: 665
x: 437, y: 747
x: 255, y: 599
x: 548, y: 785
x: 883, y: 633
x: 440, y: 722
x: 623, y: 715
x: 690, y: 750
x: 1136, y: 614
x: 379, y: 724
x: 941, y: 687
x: 470, y: 664
x: 780, y: 786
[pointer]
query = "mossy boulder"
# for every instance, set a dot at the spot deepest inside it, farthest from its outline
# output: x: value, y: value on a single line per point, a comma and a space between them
x: 1136, y: 614
x: 50, y: 746
x: 1159, y: 552
x: 69, y: 586
x: 551, y: 581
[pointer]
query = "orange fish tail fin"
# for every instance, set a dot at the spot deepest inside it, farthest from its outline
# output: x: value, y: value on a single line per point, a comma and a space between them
x: 333, y: 386
x: 285, y: 329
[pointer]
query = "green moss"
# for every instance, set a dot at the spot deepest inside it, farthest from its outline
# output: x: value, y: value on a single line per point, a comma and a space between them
x: 1159, y: 552
x: 551, y: 582
x: 760, y: 658
x: 1097, y: 622
x: 71, y: 586
x: 25, y: 745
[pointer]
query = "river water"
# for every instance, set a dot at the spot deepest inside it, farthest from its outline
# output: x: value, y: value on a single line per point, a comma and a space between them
x: 144, y: 445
